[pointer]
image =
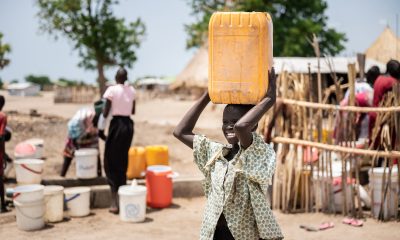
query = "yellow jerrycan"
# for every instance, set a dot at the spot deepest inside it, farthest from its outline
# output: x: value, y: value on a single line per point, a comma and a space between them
x: 240, y: 55
x: 157, y: 155
x: 136, y: 162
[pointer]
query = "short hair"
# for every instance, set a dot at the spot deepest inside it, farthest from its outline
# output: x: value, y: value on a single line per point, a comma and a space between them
x: 393, y: 68
x: 122, y: 74
x: 2, y: 102
x: 238, y: 108
x: 372, y: 74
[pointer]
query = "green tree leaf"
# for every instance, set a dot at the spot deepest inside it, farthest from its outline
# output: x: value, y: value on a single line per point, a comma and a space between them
x: 294, y: 23
x: 100, y: 38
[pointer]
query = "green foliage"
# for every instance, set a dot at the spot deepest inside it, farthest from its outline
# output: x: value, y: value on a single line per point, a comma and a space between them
x: 70, y: 83
x: 101, y: 38
x: 39, y: 80
x: 294, y: 23
x: 4, y: 49
x: 1, y: 83
x: 14, y: 81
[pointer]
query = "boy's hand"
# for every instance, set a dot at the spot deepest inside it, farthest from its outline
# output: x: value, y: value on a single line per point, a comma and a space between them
x: 272, y: 84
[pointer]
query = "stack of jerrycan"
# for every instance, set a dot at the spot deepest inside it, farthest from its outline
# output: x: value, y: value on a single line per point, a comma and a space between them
x: 240, y: 56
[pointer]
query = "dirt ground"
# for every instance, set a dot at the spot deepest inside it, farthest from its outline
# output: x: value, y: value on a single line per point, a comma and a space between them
x: 182, y: 221
x: 154, y: 123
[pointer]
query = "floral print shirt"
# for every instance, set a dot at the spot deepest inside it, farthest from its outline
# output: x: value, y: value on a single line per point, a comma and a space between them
x: 236, y: 189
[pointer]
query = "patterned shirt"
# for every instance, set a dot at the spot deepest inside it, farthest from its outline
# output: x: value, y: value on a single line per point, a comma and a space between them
x: 235, y: 188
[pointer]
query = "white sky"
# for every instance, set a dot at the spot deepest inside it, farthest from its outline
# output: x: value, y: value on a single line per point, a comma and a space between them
x: 163, y: 52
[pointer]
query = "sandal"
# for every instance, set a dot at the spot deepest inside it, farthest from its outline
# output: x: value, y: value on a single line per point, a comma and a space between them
x: 353, y: 222
x: 326, y: 225
x: 309, y: 228
x: 113, y: 210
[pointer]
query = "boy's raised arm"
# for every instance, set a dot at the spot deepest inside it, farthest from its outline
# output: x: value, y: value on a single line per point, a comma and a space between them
x: 184, y: 130
x: 245, y: 125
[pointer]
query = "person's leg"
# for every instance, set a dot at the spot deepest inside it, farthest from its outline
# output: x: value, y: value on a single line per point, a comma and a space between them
x: 98, y: 166
x: 65, y: 166
x: 2, y: 197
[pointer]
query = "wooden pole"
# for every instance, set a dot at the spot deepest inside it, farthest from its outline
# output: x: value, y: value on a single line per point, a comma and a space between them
x: 335, y: 148
x: 340, y: 108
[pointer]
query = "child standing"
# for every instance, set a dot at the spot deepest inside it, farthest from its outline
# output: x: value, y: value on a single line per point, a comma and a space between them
x: 235, y: 173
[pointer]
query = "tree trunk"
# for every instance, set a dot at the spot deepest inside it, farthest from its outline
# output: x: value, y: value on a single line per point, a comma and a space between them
x: 101, y: 80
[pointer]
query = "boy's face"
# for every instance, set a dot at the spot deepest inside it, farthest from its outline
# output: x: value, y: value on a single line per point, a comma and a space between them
x: 231, y: 115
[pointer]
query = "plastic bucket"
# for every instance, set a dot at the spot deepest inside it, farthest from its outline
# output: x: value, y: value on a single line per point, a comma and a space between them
x: 86, y: 163
x: 78, y: 201
x: 159, y: 186
x: 375, y: 181
x: 132, y: 203
x: 28, y: 171
x: 39, y: 145
x: 54, y: 201
x: 24, y: 150
x: 29, y: 205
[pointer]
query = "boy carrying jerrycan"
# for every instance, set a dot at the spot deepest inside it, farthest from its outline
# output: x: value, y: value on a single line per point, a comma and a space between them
x: 236, y: 173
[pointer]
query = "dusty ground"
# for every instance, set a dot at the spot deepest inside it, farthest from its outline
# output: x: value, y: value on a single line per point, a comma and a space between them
x: 182, y: 221
x: 154, y: 124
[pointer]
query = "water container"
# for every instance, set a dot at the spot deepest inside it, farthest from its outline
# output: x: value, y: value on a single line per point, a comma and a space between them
x: 157, y: 155
x: 132, y: 203
x: 28, y: 171
x: 136, y: 163
x: 54, y: 200
x: 375, y: 181
x: 86, y: 163
x: 30, y: 208
x: 159, y: 186
x: 24, y: 150
x: 78, y: 201
x: 240, y: 55
x: 39, y: 145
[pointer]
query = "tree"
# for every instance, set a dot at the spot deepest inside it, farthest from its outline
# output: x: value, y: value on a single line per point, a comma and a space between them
x: 101, y: 38
x: 4, y: 49
x: 294, y: 23
x: 39, y: 80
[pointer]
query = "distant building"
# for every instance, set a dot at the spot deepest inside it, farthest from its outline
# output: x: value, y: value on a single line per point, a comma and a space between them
x: 23, y: 89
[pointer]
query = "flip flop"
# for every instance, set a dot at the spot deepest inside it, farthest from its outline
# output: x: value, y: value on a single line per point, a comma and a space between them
x: 347, y: 220
x: 353, y: 222
x: 309, y: 228
x: 326, y: 225
x: 357, y: 223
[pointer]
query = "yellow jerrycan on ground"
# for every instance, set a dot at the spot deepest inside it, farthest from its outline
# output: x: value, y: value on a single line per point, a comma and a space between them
x: 240, y: 55
x: 157, y: 155
x: 136, y: 162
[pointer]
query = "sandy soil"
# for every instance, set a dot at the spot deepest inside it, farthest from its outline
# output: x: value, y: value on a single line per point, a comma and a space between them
x: 154, y: 123
x: 182, y: 221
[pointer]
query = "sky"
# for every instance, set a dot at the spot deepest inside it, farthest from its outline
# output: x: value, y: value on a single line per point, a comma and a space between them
x: 163, y: 51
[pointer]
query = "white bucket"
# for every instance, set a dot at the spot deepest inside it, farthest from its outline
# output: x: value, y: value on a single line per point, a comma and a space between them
x: 78, y: 201
x: 132, y: 203
x: 375, y: 181
x: 54, y: 200
x: 28, y: 171
x: 86, y: 163
x: 39, y: 144
x: 30, y: 209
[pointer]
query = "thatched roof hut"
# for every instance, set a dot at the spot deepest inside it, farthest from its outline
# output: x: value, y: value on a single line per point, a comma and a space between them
x: 195, y: 74
x: 385, y: 47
